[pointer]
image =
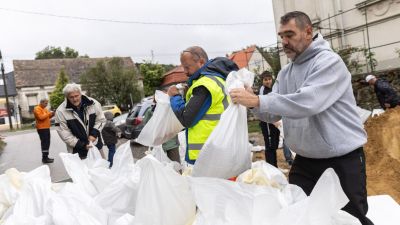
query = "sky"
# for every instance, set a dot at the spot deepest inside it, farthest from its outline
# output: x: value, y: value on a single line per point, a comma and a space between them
x: 155, y: 30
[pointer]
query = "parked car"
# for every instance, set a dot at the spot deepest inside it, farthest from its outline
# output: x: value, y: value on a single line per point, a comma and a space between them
x: 133, y: 123
x: 113, y: 109
x: 119, y: 122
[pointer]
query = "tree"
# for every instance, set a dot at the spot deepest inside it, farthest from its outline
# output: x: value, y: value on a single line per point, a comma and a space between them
x: 51, y: 52
x: 351, y: 58
x: 152, y: 76
x: 271, y: 55
x: 57, y: 96
x: 109, y: 81
x: 398, y: 51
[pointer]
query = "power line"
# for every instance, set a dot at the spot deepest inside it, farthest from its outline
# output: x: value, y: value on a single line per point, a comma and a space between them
x: 134, y: 22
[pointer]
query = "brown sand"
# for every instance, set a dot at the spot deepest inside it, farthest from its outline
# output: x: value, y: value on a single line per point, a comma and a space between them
x: 383, y: 154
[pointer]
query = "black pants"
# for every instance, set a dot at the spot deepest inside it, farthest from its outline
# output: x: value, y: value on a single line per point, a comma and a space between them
x: 350, y: 169
x: 271, y: 139
x: 44, y: 135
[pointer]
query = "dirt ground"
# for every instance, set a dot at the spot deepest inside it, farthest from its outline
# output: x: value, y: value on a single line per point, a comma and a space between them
x: 383, y: 154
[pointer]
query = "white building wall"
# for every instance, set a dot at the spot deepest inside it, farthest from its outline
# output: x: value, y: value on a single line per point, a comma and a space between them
x: 383, y: 17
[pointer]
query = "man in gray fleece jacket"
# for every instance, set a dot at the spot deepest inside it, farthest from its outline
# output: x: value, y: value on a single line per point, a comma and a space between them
x: 314, y: 98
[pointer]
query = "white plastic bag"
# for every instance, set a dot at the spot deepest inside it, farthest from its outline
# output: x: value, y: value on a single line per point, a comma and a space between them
x: 226, y: 152
x: 164, y: 196
x: 363, y: 113
x: 162, y: 126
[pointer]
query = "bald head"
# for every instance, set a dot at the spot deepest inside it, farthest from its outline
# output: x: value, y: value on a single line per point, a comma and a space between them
x: 197, y: 53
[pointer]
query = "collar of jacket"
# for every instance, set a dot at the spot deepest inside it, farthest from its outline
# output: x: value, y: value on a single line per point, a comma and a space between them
x: 85, y: 101
x: 198, y: 74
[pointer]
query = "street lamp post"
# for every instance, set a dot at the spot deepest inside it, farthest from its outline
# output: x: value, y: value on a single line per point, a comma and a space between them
x: 6, y: 92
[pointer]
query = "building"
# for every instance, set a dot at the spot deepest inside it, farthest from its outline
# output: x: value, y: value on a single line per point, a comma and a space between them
x: 12, y: 93
x: 35, y: 79
x: 175, y: 76
x: 251, y: 59
x: 371, y: 24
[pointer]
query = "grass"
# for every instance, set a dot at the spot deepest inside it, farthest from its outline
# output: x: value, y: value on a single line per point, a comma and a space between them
x: 22, y: 127
x: 253, y: 126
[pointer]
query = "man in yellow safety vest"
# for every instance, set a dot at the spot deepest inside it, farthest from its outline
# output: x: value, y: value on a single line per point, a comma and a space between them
x: 205, y: 99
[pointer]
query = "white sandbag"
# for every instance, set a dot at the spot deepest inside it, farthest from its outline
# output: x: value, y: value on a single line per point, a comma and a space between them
x: 226, y: 152
x: 383, y: 210
x: 363, y: 113
x: 223, y: 202
x: 164, y: 196
x: 119, y: 197
x: 321, y: 207
x: 78, y: 171
x: 73, y: 206
x: 262, y: 173
x: 34, y: 191
x: 162, y: 126
x: 126, y: 219
x: 123, y: 163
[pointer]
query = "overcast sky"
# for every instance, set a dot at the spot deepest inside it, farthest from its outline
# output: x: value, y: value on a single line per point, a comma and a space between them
x: 24, y: 34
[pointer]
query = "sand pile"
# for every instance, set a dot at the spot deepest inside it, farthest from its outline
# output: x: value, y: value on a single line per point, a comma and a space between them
x: 383, y: 154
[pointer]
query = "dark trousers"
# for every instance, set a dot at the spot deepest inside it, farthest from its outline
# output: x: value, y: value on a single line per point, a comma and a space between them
x: 44, y: 135
x: 350, y: 169
x: 111, y: 152
x: 271, y: 139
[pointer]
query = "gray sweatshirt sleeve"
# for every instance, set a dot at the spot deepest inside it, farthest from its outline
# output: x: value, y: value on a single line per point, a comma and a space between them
x: 326, y: 83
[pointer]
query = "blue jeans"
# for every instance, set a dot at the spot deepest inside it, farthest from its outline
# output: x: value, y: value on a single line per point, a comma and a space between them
x: 111, y: 152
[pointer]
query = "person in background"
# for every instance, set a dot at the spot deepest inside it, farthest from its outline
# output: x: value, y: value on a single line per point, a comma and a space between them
x: 386, y: 94
x: 314, y: 98
x: 42, y: 118
x: 79, y: 121
x: 269, y: 130
x: 110, y: 135
x: 205, y: 99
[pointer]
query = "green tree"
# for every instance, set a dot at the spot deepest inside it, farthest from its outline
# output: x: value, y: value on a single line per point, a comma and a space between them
x: 271, y: 55
x: 152, y: 76
x: 57, y: 96
x: 51, y: 52
x: 352, y: 56
x: 109, y: 81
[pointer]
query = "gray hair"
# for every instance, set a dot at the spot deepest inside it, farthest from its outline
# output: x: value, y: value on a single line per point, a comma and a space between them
x: 302, y: 19
x: 69, y: 88
x: 44, y: 100
x: 197, y: 53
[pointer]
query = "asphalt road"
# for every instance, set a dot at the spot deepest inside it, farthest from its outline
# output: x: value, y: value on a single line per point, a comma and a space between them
x: 23, y: 153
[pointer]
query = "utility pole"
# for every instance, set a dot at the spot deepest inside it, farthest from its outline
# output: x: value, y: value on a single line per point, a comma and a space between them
x: 6, y: 91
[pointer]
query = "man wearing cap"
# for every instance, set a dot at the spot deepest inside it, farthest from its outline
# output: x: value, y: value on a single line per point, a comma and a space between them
x: 387, y: 96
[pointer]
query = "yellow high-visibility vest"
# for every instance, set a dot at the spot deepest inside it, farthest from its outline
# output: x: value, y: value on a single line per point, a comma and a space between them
x: 198, y: 134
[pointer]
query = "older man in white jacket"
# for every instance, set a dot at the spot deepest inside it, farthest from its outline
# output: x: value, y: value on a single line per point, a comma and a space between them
x: 314, y: 98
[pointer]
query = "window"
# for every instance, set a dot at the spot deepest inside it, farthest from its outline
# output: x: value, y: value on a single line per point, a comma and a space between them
x: 32, y: 101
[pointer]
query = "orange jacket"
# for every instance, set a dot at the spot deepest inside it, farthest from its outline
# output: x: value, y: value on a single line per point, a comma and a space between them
x: 42, y: 116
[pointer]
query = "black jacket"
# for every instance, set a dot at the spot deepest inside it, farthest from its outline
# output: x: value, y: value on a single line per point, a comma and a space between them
x: 386, y: 94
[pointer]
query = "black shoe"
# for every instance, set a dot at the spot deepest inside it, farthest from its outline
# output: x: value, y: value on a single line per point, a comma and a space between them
x: 47, y: 160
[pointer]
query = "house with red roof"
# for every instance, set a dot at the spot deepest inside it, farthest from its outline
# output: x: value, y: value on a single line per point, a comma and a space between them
x: 251, y: 59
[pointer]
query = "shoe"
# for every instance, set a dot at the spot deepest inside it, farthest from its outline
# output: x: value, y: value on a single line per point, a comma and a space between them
x: 47, y: 160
